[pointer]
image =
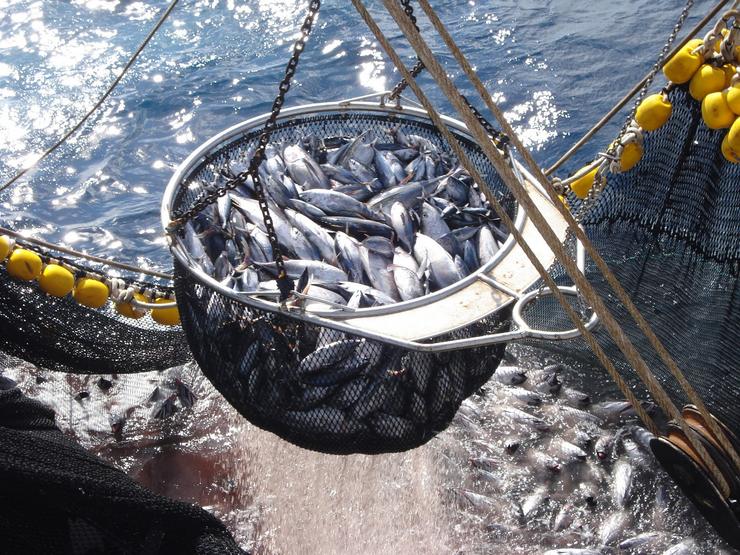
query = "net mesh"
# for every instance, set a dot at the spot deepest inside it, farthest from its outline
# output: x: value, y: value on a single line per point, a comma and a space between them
x: 60, y: 334
x: 668, y: 229
x: 319, y: 388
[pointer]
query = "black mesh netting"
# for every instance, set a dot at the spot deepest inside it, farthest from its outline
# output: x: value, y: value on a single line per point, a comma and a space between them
x: 59, y: 334
x: 319, y: 388
x: 57, y: 498
x: 670, y: 231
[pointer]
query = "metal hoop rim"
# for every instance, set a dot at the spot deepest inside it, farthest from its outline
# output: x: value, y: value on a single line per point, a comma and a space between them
x: 358, y: 104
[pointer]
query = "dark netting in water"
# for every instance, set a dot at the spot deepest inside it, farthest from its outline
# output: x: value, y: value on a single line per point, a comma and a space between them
x: 670, y: 231
x: 317, y: 387
x: 60, y: 334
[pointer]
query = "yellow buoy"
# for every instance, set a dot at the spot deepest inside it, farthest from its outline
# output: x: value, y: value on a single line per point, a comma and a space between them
x: 583, y: 184
x: 24, y: 264
x: 631, y: 155
x: 128, y: 310
x: 707, y: 80
x: 6, y: 245
x: 653, y: 112
x: 56, y: 280
x: 681, y: 68
x: 166, y: 316
x: 733, y: 137
x: 729, y: 153
x: 733, y: 98
x: 716, y: 112
x: 91, y: 292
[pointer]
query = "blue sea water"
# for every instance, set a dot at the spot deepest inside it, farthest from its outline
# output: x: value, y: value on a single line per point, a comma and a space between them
x: 554, y: 67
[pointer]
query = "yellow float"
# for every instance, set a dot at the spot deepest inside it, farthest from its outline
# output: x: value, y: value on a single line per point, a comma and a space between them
x: 653, y: 112
x: 166, y: 316
x: 631, y: 155
x: 6, y: 245
x: 24, y: 264
x: 730, y: 154
x: 707, y: 80
x: 56, y: 280
x: 91, y: 292
x: 583, y: 184
x: 129, y: 311
x: 716, y: 112
x: 681, y: 68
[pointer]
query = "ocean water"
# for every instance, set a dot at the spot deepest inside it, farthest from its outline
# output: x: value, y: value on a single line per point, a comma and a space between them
x: 554, y: 67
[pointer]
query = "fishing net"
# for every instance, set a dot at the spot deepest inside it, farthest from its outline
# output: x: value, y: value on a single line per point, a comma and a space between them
x: 60, y: 334
x: 669, y: 231
x: 58, y: 498
x: 368, y: 396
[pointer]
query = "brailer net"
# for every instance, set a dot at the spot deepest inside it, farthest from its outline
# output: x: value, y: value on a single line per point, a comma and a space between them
x: 669, y: 229
x: 392, y: 398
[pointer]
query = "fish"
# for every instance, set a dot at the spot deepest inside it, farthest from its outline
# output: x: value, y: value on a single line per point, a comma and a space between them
x: 613, y: 528
x: 358, y: 226
x: 442, y: 266
x: 510, y: 375
x: 321, y: 240
x: 521, y: 417
x: 640, y: 541
x: 534, y: 501
x: 402, y: 225
x: 622, y: 484
x: 316, y: 269
x: 684, y: 547
x: 376, y: 268
x: 328, y: 355
x: 569, y: 452
x: 334, y: 203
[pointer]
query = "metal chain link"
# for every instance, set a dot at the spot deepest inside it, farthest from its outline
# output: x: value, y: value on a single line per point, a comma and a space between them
x: 284, y: 284
x: 418, y: 67
x: 600, y: 182
x: 501, y: 140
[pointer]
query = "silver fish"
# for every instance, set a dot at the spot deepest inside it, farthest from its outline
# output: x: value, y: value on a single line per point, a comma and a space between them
x: 510, y: 375
x: 315, y: 234
x: 376, y: 269
x: 441, y: 264
x: 622, y: 485
x: 303, y: 169
x: 335, y: 203
x: 348, y: 255
x: 317, y: 270
x: 402, y: 225
x: 640, y: 540
x: 328, y: 355
x: 613, y: 528
x: 487, y: 245
x: 432, y: 223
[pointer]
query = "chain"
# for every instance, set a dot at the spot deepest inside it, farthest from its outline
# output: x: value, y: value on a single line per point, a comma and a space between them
x: 599, y: 183
x: 499, y: 139
x: 418, y: 67
x: 284, y: 284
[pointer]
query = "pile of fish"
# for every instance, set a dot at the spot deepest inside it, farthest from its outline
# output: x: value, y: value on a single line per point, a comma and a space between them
x: 546, y: 462
x: 365, y: 222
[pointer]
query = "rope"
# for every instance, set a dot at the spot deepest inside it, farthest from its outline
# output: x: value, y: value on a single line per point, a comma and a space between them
x: 100, y: 101
x: 93, y: 258
x: 622, y: 295
x: 636, y: 89
x: 551, y: 239
x: 501, y: 212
